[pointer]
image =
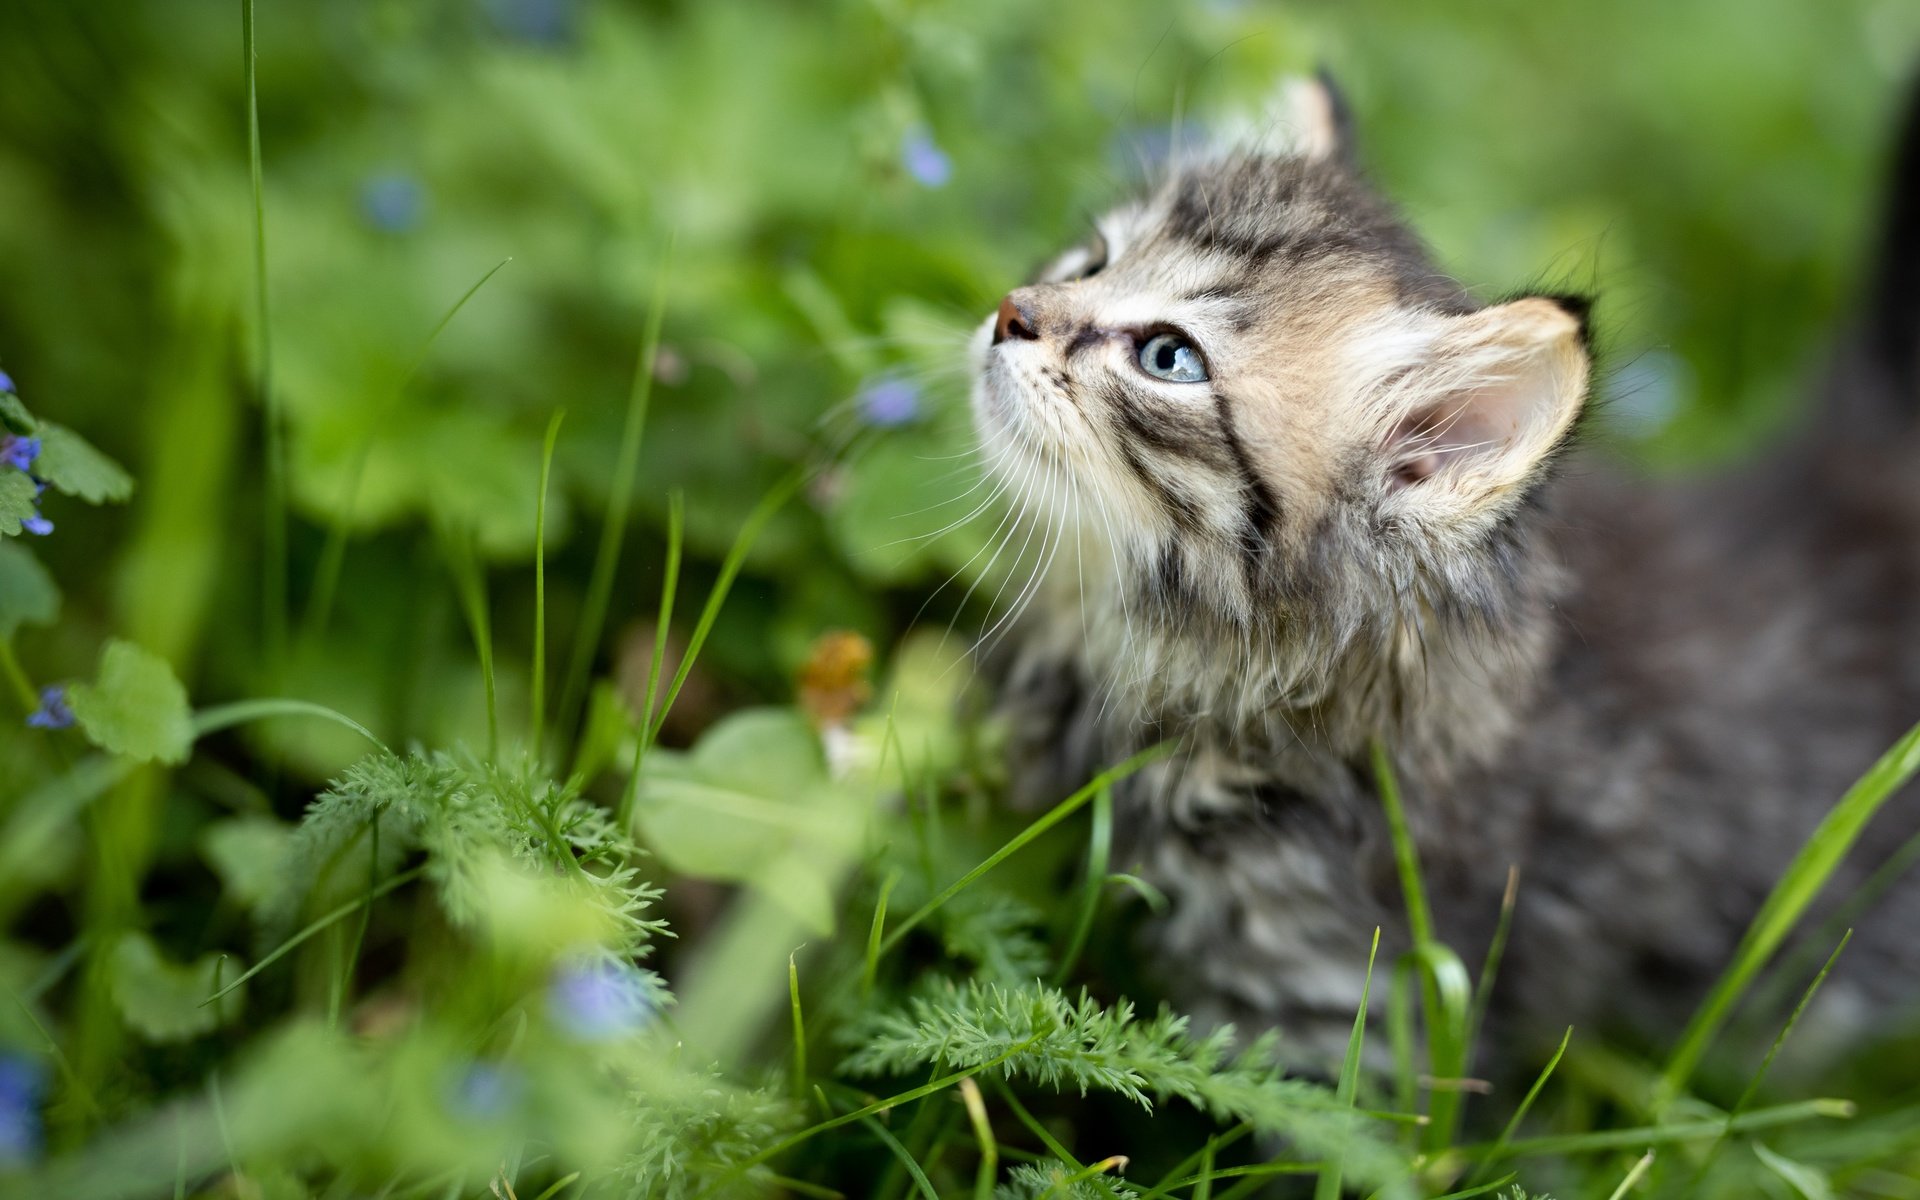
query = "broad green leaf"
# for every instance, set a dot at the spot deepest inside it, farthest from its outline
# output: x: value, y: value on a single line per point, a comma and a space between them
x: 136, y: 708
x: 748, y: 804
x: 27, y: 592
x: 71, y: 464
x: 248, y: 854
x: 162, y: 1000
x: 17, y: 495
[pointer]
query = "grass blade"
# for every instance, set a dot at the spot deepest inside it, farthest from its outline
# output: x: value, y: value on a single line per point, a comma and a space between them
x: 1766, y: 1064
x: 983, y: 1137
x: 593, y: 614
x: 1057, y: 814
x: 799, y: 1032
x: 274, y: 514
x: 1665, y: 1135
x: 538, y: 683
x: 345, y: 910
x: 1327, y: 1187
x: 1444, y: 1002
x: 643, y: 737
x: 469, y: 582
x: 1526, y: 1102
x: 1803, y: 880
x: 1099, y: 855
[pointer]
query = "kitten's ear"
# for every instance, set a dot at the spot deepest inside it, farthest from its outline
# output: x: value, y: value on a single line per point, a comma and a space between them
x: 1473, y: 425
x: 1305, y: 117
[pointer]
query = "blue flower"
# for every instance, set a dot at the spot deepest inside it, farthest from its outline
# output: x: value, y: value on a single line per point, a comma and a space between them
x: 600, y: 1000
x: 925, y: 160
x: 888, y: 402
x: 20, y: 1083
x: 53, y: 712
x: 486, y: 1091
x: 6, y: 382
x: 18, y: 452
x: 541, y: 22
x: 393, y: 202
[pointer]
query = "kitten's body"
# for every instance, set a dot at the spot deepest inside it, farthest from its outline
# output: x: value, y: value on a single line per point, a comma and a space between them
x: 1644, y: 697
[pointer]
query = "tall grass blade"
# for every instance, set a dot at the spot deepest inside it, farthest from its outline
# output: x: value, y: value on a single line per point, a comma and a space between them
x: 1766, y: 1064
x: 274, y: 515
x: 643, y: 736
x: 538, y: 683
x: 1526, y: 1104
x: 469, y: 581
x: 1444, y: 1001
x: 1054, y: 816
x: 333, y: 554
x: 1099, y: 855
x: 593, y: 613
x: 1327, y: 1187
x: 1797, y: 888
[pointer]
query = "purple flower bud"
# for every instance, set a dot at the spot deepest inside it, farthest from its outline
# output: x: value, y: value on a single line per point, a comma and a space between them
x: 19, y: 452
x: 36, y: 525
x: 53, y: 712
x: 6, y: 382
x: 600, y: 1000
x: 393, y: 202
x: 889, y: 401
x: 925, y: 160
x: 20, y: 1083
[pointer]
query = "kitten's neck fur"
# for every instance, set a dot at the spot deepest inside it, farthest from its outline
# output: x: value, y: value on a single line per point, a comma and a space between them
x: 1441, y: 677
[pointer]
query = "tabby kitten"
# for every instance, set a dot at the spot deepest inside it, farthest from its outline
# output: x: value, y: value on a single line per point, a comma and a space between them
x: 1320, y: 495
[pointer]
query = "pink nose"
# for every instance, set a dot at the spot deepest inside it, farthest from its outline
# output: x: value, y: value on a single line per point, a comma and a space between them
x: 1013, y: 321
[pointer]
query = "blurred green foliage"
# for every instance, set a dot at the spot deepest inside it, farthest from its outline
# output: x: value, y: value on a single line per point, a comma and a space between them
x: 468, y: 207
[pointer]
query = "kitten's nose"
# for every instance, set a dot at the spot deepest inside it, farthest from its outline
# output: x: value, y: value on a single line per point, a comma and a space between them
x: 1014, y: 321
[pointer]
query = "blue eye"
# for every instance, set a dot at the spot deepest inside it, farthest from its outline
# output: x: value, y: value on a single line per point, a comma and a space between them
x: 1173, y: 358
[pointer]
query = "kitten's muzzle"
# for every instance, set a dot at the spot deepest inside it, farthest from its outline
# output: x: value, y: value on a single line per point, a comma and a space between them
x: 1014, y: 321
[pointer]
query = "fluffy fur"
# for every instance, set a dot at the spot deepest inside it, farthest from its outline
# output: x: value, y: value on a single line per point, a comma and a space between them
x: 1367, y: 523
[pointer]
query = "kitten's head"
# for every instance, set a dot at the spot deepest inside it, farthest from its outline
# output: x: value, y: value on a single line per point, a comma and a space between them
x: 1272, y: 396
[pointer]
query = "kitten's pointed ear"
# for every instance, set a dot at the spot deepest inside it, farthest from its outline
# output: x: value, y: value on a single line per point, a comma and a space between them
x: 1472, y: 427
x: 1305, y: 116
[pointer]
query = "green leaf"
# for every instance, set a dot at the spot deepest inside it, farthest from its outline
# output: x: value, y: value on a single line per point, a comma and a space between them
x: 249, y: 855
x: 752, y: 803
x: 162, y: 1000
x: 14, y: 415
x: 27, y: 593
x: 137, y: 708
x: 17, y: 495
x: 71, y: 464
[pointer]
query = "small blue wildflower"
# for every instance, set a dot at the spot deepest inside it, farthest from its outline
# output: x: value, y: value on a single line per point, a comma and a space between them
x: 393, y: 202
x: 36, y: 524
x: 19, y: 452
x: 925, y: 160
x: 53, y: 712
x: 6, y: 382
x: 599, y: 1000
x: 20, y: 1083
x: 541, y: 22
x: 889, y: 401
x: 485, y: 1092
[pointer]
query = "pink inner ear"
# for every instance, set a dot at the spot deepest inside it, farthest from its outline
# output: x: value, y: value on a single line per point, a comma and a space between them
x: 1428, y: 440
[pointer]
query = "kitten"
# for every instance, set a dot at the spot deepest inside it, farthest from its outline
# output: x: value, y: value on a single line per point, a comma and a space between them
x: 1316, y: 494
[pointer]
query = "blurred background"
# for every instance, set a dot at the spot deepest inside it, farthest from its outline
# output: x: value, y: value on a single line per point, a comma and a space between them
x: 846, y: 187
x: 471, y: 206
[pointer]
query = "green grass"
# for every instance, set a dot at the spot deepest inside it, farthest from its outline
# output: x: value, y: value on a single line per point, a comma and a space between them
x: 408, y: 906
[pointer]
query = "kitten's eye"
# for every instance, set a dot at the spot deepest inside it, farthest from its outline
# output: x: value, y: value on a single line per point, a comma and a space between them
x: 1173, y: 358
